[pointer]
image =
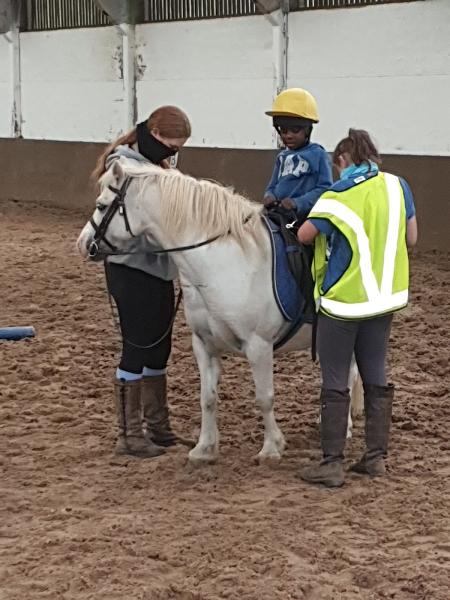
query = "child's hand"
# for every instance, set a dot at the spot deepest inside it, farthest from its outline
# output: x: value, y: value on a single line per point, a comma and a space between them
x: 270, y: 201
x: 288, y: 204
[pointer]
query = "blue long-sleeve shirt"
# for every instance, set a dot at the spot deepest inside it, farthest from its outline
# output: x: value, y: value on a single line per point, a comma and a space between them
x: 302, y: 175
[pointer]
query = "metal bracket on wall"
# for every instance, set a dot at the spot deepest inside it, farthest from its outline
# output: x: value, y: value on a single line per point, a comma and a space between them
x: 280, y: 40
x: 120, y: 29
x: 129, y: 75
x: 277, y: 14
x: 284, y: 45
x: 122, y: 14
x: 16, y: 110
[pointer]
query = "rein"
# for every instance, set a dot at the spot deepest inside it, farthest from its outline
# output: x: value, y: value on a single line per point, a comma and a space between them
x: 160, y: 339
x: 167, y: 250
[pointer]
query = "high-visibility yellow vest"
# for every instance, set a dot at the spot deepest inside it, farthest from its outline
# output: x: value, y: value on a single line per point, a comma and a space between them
x: 371, y: 216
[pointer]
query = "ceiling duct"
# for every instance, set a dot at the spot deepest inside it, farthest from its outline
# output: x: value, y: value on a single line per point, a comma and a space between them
x: 268, y: 6
x: 9, y: 15
x: 123, y: 11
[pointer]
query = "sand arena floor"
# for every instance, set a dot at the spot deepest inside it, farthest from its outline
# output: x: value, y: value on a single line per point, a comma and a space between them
x: 79, y: 523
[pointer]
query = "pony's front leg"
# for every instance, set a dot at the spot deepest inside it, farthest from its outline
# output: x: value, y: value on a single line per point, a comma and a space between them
x: 207, y: 448
x: 260, y: 357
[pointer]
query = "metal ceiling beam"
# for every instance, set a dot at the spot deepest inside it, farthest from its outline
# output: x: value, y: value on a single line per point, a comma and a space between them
x: 9, y: 27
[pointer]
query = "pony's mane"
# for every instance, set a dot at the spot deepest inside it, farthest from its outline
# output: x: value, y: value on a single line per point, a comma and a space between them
x: 189, y: 203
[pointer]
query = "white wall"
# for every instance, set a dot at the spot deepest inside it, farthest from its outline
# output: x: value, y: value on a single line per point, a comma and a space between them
x: 6, y: 98
x: 71, y: 86
x: 220, y: 71
x: 382, y: 68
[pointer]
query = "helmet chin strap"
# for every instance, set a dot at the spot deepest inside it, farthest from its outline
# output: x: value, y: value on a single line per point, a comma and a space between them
x: 308, y: 135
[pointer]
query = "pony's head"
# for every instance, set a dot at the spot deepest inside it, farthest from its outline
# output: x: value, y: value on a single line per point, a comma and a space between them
x: 117, y: 218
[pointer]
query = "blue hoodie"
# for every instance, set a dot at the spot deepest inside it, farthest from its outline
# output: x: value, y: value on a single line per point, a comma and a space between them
x: 302, y: 175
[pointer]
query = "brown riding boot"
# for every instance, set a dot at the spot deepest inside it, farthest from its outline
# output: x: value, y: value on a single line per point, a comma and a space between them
x: 333, y: 432
x: 156, y: 413
x: 378, y: 408
x: 128, y: 408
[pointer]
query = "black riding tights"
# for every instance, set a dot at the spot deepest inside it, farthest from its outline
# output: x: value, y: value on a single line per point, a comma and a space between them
x: 146, y: 306
x: 338, y: 340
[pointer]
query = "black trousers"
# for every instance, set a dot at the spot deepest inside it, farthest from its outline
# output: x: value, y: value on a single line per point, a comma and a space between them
x: 146, y: 307
x: 337, y: 341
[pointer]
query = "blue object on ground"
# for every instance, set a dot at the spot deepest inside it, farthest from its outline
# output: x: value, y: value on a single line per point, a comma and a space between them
x: 16, y: 333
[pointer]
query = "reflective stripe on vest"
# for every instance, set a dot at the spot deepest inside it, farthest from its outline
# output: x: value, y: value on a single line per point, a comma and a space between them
x: 366, y: 309
x: 380, y: 299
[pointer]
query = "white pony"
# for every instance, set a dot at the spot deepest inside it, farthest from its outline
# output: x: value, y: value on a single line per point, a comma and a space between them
x: 228, y: 297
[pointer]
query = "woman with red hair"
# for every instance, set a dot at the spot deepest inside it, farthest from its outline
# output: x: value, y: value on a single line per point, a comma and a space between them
x: 142, y: 287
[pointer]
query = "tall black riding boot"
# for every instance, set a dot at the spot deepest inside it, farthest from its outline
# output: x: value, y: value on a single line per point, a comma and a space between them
x: 131, y: 438
x: 378, y: 408
x: 333, y: 432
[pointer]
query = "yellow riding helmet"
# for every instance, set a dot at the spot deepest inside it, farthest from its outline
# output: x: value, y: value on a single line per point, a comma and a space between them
x: 295, y: 102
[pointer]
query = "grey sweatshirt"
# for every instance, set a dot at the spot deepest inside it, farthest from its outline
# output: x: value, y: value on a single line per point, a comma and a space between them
x: 159, y: 265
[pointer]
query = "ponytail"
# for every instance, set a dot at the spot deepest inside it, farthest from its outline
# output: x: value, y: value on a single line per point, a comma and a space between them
x: 127, y: 139
x: 359, y: 145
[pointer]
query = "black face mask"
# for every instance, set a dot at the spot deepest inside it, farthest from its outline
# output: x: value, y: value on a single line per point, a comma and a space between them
x: 154, y: 150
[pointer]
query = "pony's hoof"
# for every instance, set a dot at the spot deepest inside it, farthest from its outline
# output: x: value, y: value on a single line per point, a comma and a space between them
x: 200, y: 456
x: 268, y: 459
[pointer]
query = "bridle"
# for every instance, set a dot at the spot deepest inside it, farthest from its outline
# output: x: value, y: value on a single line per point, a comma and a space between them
x: 118, y: 204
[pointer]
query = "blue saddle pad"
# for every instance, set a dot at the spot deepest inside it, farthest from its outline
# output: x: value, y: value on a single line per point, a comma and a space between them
x: 286, y: 290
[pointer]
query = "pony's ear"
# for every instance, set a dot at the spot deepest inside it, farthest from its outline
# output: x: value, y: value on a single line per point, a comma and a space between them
x: 117, y: 170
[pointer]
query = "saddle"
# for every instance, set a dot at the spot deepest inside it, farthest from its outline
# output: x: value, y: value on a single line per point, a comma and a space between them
x: 283, y: 227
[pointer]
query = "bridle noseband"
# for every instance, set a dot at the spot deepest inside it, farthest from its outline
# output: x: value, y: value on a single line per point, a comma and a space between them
x: 118, y: 204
